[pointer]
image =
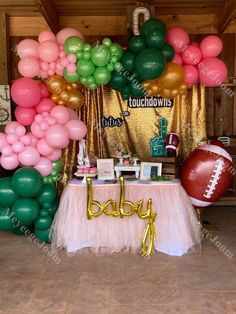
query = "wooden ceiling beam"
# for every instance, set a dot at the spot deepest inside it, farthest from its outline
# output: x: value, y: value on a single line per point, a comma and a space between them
x: 227, y: 16
x: 111, y: 25
x: 49, y: 13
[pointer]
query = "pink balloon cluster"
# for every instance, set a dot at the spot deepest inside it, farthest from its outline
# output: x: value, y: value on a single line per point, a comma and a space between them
x: 46, y: 56
x: 31, y: 98
x: 51, y: 129
x: 199, y: 61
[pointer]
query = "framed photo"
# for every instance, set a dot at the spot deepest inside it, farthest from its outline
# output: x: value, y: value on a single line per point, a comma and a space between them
x: 149, y: 169
x: 105, y: 169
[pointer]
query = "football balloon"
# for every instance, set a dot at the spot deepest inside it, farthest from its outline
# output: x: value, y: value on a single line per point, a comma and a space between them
x: 206, y: 174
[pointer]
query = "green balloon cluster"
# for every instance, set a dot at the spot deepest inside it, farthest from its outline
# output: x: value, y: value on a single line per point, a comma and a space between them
x: 94, y: 64
x: 54, y: 177
x: 26, y: 201
x: 144, y: 60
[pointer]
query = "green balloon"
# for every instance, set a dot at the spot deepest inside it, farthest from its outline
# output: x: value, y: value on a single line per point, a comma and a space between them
x: 73, y: 44
x: 100, y: 55
x: 52, y: 210
x: 85, y: 67
x: 90, y: 80
x: 79, y: 54
x: 57, y: 165
x: 45, y: 180
x: 46, y: 205
x: 17, y: 229
x: 116, y: 50
x: 87, y: 47
x: 102, y: 76
x: 42, y: 235
x: 92, y: 86
x: 155, y: 38
x: 6, y: 219
x: 137, y: 90
x: 71, y: 77
x: 106, y: 42
x: 118, y: 80
x: 44, y: 213
x: 26, y: 210
x: 168, y: 52
x: 27, y: 182
x: 48, y: 194
x: 86, y: 55
x: 136, y: 44
x: 125, y: 92
x: 7, y: 195
x: 150, y: 25
x: 149, y: 64
x: 43, y: 223
x: 127, y: 61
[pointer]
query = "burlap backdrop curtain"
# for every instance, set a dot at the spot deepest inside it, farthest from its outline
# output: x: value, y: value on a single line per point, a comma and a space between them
x: 187, y: 117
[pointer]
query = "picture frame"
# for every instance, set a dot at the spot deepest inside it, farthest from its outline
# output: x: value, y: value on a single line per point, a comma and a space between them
x: 105, y: 169
x: 149, y: 169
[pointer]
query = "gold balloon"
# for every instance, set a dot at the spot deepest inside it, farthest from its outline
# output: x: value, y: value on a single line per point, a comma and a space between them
x: 76, y: 99
x: 69, y: 87
x: 166, y: 93
x: 61, y: 103
x: 126, y: 208
x: 56, y: 84
x: 173, y: 76
x: 65, y: 96
x: 55, y: 98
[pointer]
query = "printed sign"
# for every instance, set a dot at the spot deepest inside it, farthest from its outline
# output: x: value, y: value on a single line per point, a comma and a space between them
x: 149, y: 102
x: 5, y: 104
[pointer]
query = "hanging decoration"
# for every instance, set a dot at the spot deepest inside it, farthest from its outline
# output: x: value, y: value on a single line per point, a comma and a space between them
x: 157, y: 144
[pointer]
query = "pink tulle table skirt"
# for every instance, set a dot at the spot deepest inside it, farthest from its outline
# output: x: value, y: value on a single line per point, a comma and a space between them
x: 177, y: 228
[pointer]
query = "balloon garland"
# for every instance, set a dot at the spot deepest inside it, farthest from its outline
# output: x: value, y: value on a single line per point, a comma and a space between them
x: 26, y: 203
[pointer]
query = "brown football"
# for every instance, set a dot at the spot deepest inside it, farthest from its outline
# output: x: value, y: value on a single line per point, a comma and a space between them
x: 206, y: 174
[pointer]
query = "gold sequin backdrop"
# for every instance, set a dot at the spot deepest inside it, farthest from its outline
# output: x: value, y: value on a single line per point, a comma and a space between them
x: 187, y: 117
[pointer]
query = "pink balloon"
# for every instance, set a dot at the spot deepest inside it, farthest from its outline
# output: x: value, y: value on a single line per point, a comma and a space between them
x: 29, y: 157
x: 44, y: 92
x: 178, y: 38
x: 60, y: 114
x: 48, y: 51
x: 25, y: 116
x: 190, y: 74
x: 51, y: 121
x: 44, y: 66
x: 27, y: 48
x: 212, y: 72
x: 33, y: 140
x: 28, y: 67
x: 71, y: 58
x: 26, y: 139
x: 44, y: 166
x: 25, y: 92
x: 76, y: 129
x: 18, y: 147
x: 195, y: 44
x: 45, y: 105
x: 66, y: 33
x: 3, y: 141
x: 20, y: 130
x: 44, y: 125
x: 71, y: 68
x: 211, y: 46
x: 43, y: 148
x: 11, y: 127
x: 7, y: 150
x: 9, y: 162
x: 192, y: 55
x: 55, y: 155
x: 45, y: 36
x: 12, y: 138
x: 39, y: 118
x: 73, y: 114
x: 56, y: 136
x: 36, y: 131
x: 177, y: 59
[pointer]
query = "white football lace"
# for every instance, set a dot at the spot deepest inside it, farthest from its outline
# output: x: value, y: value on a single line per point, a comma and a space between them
x: 219, y: 166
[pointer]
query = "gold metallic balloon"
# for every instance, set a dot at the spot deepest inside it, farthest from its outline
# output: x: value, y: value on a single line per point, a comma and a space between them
x: 76, y: 99
x: 65, y: 96
x: 126, y: 208
x: 56, y: 84
x: 55, y: 98
x: 172, y: 77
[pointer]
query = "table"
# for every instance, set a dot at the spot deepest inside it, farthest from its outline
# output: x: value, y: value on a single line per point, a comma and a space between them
x: 177, y: 227
x: 119, y: 168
